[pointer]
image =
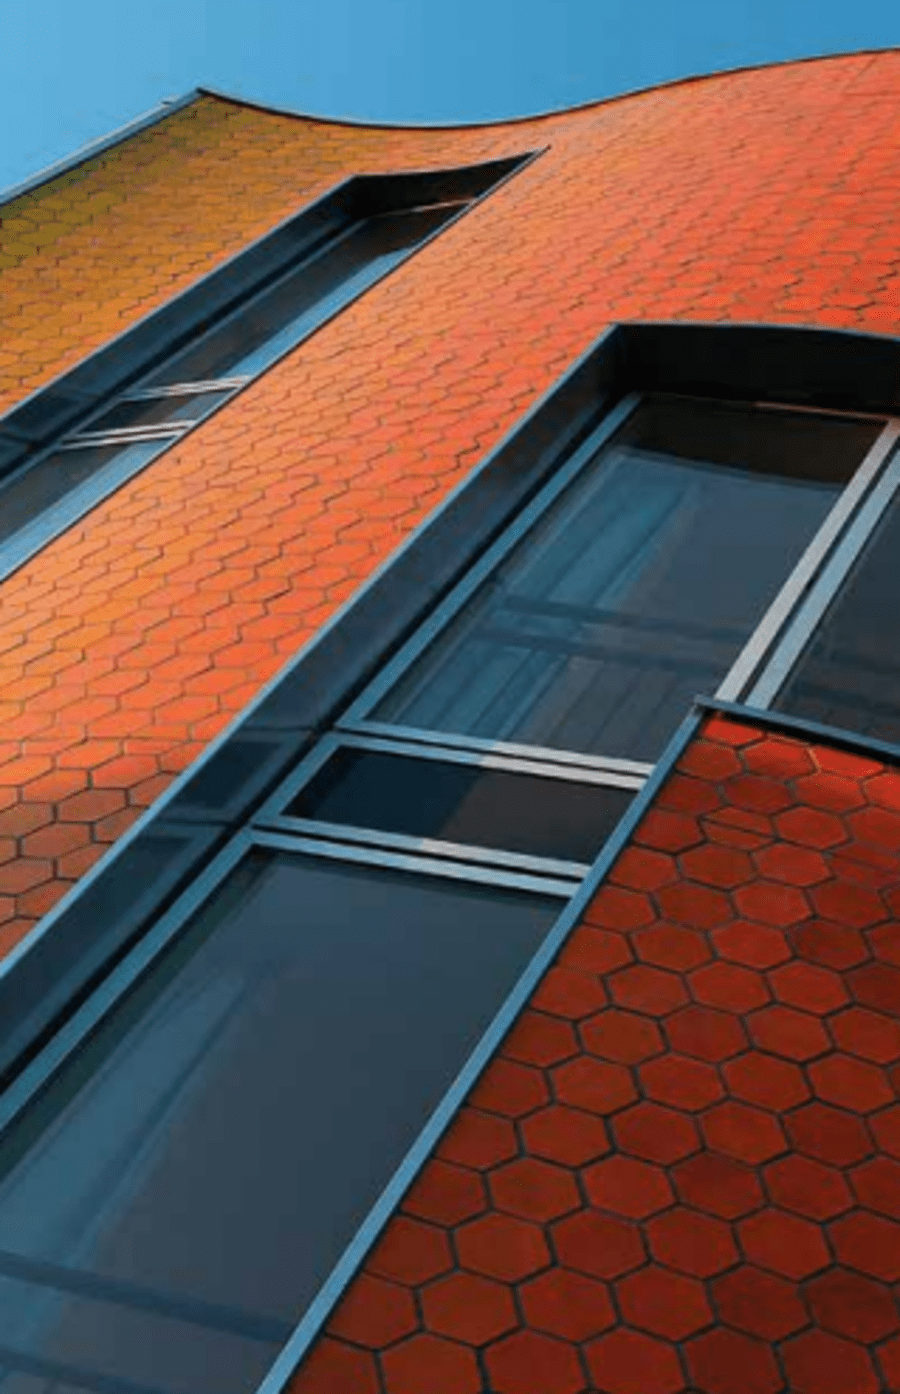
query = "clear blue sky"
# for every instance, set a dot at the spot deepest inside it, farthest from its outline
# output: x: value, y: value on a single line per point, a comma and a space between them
x: 74, y: 70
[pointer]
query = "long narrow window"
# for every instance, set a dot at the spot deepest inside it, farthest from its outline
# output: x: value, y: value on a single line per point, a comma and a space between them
x: 47, y: 493
x: 636, y: 588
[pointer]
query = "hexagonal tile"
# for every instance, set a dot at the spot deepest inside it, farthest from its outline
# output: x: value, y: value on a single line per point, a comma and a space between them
x: 569, y: 993
x: 848, y: 903
x: 501, y: 1246
x: 818, y: 1363
x: 709, y: 761
x: 668, y: 832
x: 416, y: 1365
x: 728, y: 1362
x: 593, y: 1085
x: 830, y: 791
x: 877, y: 1185
x: 510, y: 1089
x: 374, y: 1312
x: 772, y: 903
x: 783, y: 1243
x: 830, y: 944
x: 807, y: 1187
x: 754, y: 945
x: 533, y: 1189
x: 745, y: 1133
x: 717, y: 866
x: 624, y: 1037
x: 785, y: 1031
x: 850, y: 1083
x: 655, y: 1133
x: 538, y: 1039
x: 705, y: 1033
x: 628, y: 1362
x: 567, y: 1304
x: 765, y: 1080
x: 671, y: 946
x: 811, y: 827
x: 808, y: 987
x: 877, y: 985
x: 468, y: 1308
x: 868, y: 1243
x: 681, y: 1082
x: 828, y: 1134
x: 599, y: 1245
x: 567, y: 1135
x: 333, y: 1365
x: 410, y: 1252
x: 759, y: 1303
x: 642, y: 869
x: 593, y: 950
x: 651, y: 991
x: 478, y: 1140
x: 698, y: 907
x: 628, y: 1187
x: 663, y: 1303
x: 850, y: 1305
x: 445, y: 1194
x: 718, y: 1185
x: 729, y: 986
x: 691, y: 1242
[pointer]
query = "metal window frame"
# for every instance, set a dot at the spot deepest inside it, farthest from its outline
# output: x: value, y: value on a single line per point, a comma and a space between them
x: 40, y: 1071
x: 775, y: 630
x: 57, y: 519
x: 272, y: 814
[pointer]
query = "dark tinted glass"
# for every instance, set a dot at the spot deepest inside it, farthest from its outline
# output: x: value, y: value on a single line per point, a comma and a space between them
x: 153, y: 411
x: 192, y: 1177
x: 849, y: 674
x: 43, y: 484
x: 639, y: 587
x: 292, y: 308
x: 464, y: 803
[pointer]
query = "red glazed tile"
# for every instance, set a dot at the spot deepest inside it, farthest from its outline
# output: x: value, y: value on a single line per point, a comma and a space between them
x: 730, y: 732
x: 830, y: 791
x: 758, y: 793
x: 628, y: 1362
x: 754, y: 945
x: 869, y: 866
x: 830, y: 944
x: 570, y: 994
x: 772, y: 903
x: 747, y: 1134
x: 529, y: 1362
x: 533, y: 1189
x: 876, y: 826
x: 807, y: 1187
x: 668, y: 832
x: 848, y: 904
x: 705, y: 1033
x: 424, y: 1362
x: 828, y: 1134
x: 663, y: 1303
x: 510, y: 1089
x: 850, y: 1084
x: 642, y: 869
x: 728, y: 1362
x: 652, y: 991
x: 445, y: 1194
x: 783, y: 1243
x: 885, y: 943
x: 729, y: 986
x: 628, y: 1187
x: 779, y: 759
x: 537, y: 1039
x: 877, y: 985
x: 613, y: 907
x: 709, y: 761
x: 624, y: 1037
x: 844, y: 762
x: 374, y: 1313
x: 818, y: 1363
x: 692, y: 1243
x: 682, y: 793
x: 884, y: 790
x: 698, y: 907
x: 594, y: 1085
x: 332, y: 1366
x: 889, y: 1360
x: 811, y: 827
x: 593, y: 950
x: 877, y: 1186
x: 681, y: 1082
x: 599, y: 1245
x: 849, y: 1305
x: 500, y: 1246
x: 869, y: 1243
x: 718, y: 1185
x: 765, y: 1080
x: 410, y: 1252
x: 808, y: 987
x: 566, y: 1135
x: 796, y: 866
x: 468, y: 1308
x: 717, y: 866
x: 567, y: 1304
x: 785, y: 1031
x: 671, y: 946
x: 759, y: 1303
x: 655, y: 1134
x: 478, y: 1140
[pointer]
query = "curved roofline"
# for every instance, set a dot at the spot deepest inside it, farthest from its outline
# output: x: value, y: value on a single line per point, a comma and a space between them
x: 170, y: 105
x: 360, y: 124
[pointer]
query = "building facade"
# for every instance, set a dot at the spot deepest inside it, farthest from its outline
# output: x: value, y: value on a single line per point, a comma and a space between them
x: 449, y: 792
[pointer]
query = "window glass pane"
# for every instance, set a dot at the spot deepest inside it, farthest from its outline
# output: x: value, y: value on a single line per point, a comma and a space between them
x: 36, y: 489
x: 849, y: 674
x: 223, y: 1134
x: 292, y: 308
x: 191, y: 406
x: 534, y: 814
x: 639, y: 587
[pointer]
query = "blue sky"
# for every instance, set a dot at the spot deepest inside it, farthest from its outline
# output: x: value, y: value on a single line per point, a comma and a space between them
x: 72, y: 72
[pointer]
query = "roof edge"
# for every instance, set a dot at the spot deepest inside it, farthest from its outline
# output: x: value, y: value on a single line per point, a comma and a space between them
x: 359, y: 123
x: 165, y: 108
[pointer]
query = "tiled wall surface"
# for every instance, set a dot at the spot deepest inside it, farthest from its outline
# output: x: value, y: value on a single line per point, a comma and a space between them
x: 132, y: 640
x: 681, y: 1172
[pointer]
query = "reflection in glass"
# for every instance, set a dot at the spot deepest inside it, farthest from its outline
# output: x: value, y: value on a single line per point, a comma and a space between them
x: 454, y: 802
x: 178, y: 1195
x: 31, y: 492
x: 849, y: 673
x: 639, y: 587
x: 180, y: 409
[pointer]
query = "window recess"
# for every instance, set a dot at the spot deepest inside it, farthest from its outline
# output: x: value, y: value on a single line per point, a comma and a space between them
x: 354, y: 238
